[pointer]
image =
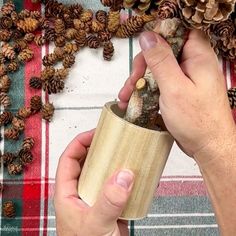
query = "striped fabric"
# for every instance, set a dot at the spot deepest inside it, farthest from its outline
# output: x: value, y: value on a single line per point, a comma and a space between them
x: 181, y: 206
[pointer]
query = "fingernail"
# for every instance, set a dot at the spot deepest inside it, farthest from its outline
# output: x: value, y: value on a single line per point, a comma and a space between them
x: 147, y: 40
x: 125, y: 179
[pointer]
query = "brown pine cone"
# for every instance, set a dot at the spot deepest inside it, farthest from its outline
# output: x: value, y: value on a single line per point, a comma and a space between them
x: 232, y: 97
x: 81, y: 38
x: 97, y: 26
x: 44, y: 23
x: 18, y: 123
x: 11, y: 133
x: 8, y: 8
x: 108, y: 51
x: 71, y: 48
x: 68, y: 61
x: 12, y: 66
x: 20, y: 45
x: 113, y: 21
x: 17, y: 34
x: 224, y: 29
x: 59, y: 26
x: 5, y: 83
x: 86, y: 15
x: 53, y: 85
x: 35, y: 82
x: 35, y: 103
x: 28, y: 25
x: 28, y: 143
x: 5, y: 100
x: 35, y: 15
x: 114, y: 5
x: 167, y: 9
x: 47, y: 111
x: 50, y: 35
x: 6, y: 22
x: 14, y: 17
x: 130, y: 27
x: 227, y: 48
x: 8, y: 51
x: 6, y: 118
x: 59, y: 52
x: 5, y: 35
x: 24, y: 112
x: 75, y: 10
x: 93, y: 41
x: 8, y: 209
x: 25, y: 157
x: 104, y: 36
x: 15, y: 169
x: 24, y: 14
x: 29, y: 37
x: 60, y: 41
x: 49, y: 59
x: 62, y: 74
x: 71, y: 33
x: 54, y: 9
x: 47, y: 73
x: 3, y: 69
x: 8, y: 158
x: 101, y: 16
x: 39, y: 40
x: 25, y: 55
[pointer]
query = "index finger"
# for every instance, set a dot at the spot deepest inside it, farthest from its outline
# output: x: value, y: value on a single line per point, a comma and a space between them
x: 69, y: 169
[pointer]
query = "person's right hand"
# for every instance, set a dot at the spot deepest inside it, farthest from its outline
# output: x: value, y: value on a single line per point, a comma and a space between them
x: 193, y: 100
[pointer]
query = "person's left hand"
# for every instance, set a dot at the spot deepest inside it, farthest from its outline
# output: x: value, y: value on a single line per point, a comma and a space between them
x: 73, y: 216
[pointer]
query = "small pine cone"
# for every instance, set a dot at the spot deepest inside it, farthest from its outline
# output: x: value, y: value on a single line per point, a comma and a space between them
x: 68, y: 21
x: 50, y: 35
x: 107, y: 3
x: 24, y: 112
x: 71, y: 33
x: 5, y: 35
x: 18, y: 123
x: 104, y: 36
x: 2, y: 63
x: 86, y: 15
x: 141, y: 7
x: 25, y: 55
x: 14, y: 17
x: 53, y: 85
x: 114, y: 5
x: 44, y: 23
x: 62, y: 74
x: 35, y: 15
x: 35, y: 82
x: 68, y: 61
x: 17, y: 34
x: 47, y: 73
x: 78, y: 24
x: 8, y: 209
x: 8, y: 8
x: 232, y: 97
x: 28, y: 143
x: 29, y: 37
x: 97, y: 26
x: 60, y: 41
x: 28, y: 25
x: 15, y: 169
x: 224, y: 29
x: 5, y: 100
x: 93, y: 41
x: 167, y: 9
x: 25, y: 157
x: 35, y: 103
x: 130, y: 27
x: 75, y: 10
x: 8, y: 158
x: 108, y: 51
x: 49, y: 59
x: 101, y: 16
x: 113, y: 21
x: 5, y: 83
x: 6, y: 22
x: 59, y: 26
x: 47, y: 111
x: 8, y: 51
x: 59, y: 52
x: 12, y: 66
x: 20, y: 45
x: 39, y: 40
x: 6, y: 118
x: 24, y: 14
x: 3, y: 69
x: 71, y: 48
x: 81, y: 38
x: 11, y: 133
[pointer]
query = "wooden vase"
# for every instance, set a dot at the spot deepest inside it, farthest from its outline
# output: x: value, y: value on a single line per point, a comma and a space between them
x: 118, y: 144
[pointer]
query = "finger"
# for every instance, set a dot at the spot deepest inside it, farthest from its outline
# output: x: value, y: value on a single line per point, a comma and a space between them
x: 162, y: 62
x: 139, y: 66
x: 69, y: 169
x: 112, y: 199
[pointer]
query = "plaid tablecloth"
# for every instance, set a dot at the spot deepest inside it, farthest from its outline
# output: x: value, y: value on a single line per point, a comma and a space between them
x: 181, y: 206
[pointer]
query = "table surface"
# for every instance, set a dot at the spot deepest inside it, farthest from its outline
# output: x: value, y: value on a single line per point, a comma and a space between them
x: 180, y: 206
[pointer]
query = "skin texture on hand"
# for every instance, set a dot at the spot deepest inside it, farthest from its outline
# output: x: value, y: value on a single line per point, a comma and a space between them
x: 73, y: 216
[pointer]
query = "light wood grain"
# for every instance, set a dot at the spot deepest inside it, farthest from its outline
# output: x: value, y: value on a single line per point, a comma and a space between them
x: 119, y: 144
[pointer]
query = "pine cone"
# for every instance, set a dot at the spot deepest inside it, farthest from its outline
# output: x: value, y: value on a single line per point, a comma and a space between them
x: 232, y: 97
x: 224, y: 29
x: 39, y: 40
x: 86, y: 15
x: 6, y: 22
x: 59, y: 52
x: 47, y: 111
x: 8, y: 158
x: 130, y: 27
x: 5, y: 84
x: 25, y: 55
x: 28, y: 24
x: 104, y: 36
x: 71, y: 48
x: 25, y: 157
x: 29, y: 37
x: 60, y: 41
x: 202, y: 14
x: 14, y: 17
x: 5, y: 35
x: 62, y: 74
x: 35, y: 15
x: 8, y: 51
x: 8, y: 209
x: 18, y: 123
x: 6, y: 118
x: 8, y: 8
x: 115, y: 5
x: 24, y: 14
x: 54, y: 9
x: 23, y: 113
x: 75, y: 10
x: 50, y: 35
x: 93, y: 41
x: 167, y: 9
x: 49, y: 59
x: 68, y: 61
x: 53, y: 85
x: 11, y: 133
x: 35, y: 103
x: 71, y: 33
x: 113, y: 22
x: 35, y: 82
x: 20, y: 45
x: 81, y: 38
x: 12, y: 66
x: 101, y: 16
x: 3, y: 69
x: 16, y: 34
x: 44, y: 23
x: 15, y: 169
x: 47, y: 73
x: 5, y: 100
x: 28, y: 143
x: 108, y: 51
x: 59, y: 26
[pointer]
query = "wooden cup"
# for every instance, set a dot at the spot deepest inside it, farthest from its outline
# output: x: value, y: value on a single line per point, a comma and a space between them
x: 118, y: 144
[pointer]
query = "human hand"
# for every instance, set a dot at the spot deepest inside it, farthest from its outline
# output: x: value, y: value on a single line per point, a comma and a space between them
x: 193, y: 100
x: 73, y: 216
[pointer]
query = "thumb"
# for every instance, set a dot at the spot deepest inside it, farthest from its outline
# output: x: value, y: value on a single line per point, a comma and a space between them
x: 113, y: 199
x: 160, y: 60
